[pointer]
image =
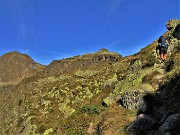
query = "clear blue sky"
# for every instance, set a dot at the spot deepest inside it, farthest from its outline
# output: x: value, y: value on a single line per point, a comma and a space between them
x: 50, y: 30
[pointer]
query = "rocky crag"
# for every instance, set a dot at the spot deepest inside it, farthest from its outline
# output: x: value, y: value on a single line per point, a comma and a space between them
x: 99, y: 93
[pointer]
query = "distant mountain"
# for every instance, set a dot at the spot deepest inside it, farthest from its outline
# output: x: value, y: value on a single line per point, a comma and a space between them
x: 15, y: 66
x: 94, y: 61
x: 97, y: 93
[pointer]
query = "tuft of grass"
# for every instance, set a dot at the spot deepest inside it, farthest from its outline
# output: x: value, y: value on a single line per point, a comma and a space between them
x: 149, y: 77
x: 75, y: 131
x: 87, y: 73
x: 115, y: 120
x: 94, y: 109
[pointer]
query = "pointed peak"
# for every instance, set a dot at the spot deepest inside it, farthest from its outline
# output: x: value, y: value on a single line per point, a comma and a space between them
x: 103, y: 50
x: 13, y: 53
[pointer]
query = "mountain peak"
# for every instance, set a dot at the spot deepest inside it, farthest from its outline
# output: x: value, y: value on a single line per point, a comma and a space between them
x: 17, y: 55
x: 15, y: 66
x: 12, y: 53
x: 103, y: 50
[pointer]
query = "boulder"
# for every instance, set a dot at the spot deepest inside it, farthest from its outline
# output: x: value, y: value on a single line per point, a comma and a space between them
x: 169, y: 124
x: 142, y: 124
x: 131, y: 99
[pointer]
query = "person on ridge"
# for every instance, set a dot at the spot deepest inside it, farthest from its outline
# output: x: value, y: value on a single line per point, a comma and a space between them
x: 162, y: 45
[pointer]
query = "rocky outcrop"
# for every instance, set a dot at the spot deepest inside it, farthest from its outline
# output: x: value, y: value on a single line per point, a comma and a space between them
x: 172, y: 24
x: 168, y: 127
x: 128, y: 92
x: 106, y: 56
x: 159, y: 114
x: 149, y: 114
x: 173, y: 34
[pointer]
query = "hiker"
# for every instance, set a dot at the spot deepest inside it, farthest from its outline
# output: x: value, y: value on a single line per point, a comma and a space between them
x: 162, y: 46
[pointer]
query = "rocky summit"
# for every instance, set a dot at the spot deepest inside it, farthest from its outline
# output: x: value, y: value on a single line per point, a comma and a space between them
x: 101, y: 93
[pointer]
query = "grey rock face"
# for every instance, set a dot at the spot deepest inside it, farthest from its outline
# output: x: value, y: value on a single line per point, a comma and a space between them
x: 143, y: 124
x: 169, y: 123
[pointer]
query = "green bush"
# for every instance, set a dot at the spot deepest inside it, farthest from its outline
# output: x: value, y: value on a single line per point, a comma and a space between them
x: 152, y: 59
x: 74, y: 131
x: 94, y: 109
x: 86, y: 73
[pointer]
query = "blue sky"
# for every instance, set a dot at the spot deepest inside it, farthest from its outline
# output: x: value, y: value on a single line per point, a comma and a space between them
x: 50, y: 30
